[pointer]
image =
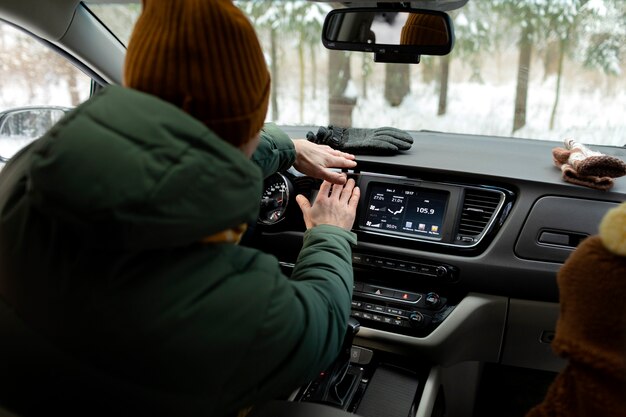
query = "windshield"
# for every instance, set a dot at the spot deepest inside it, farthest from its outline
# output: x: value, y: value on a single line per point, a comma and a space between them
x: 525, y: 68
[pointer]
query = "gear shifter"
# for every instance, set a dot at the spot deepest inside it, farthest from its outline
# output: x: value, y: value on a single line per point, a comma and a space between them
x: 336, y: 385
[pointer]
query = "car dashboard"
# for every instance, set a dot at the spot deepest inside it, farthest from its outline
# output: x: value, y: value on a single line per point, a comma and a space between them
x: 459, y: 242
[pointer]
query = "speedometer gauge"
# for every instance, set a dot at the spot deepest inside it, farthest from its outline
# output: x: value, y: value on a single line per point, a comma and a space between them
x: 275, y: 198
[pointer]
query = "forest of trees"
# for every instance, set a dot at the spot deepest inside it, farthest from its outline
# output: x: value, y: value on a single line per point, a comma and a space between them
x: 26, y: 66
x: 548, y: 36
x: 506, y: 44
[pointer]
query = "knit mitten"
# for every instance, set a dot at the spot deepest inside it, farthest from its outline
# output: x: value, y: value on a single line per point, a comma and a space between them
x: 580, y: 165
x: 380, y: 141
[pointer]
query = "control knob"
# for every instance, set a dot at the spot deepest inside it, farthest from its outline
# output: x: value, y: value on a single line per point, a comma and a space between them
x: 416, y: 318
x: 441, y: 271
x: 432, y: 300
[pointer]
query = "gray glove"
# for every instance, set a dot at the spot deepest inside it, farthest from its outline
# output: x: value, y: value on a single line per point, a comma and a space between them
x: 380, y: 141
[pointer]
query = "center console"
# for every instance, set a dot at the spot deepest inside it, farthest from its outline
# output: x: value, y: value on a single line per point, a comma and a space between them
x: 405, y: 312
x: 385, y: 302
x: 397, y: 218
x: 366, y: 383
x: 408, y: 294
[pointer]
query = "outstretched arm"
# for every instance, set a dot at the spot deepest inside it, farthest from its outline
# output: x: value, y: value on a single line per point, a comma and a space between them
x: 277, y: 152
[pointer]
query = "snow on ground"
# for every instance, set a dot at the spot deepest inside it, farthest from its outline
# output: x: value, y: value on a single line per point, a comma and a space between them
x: 590, y: 110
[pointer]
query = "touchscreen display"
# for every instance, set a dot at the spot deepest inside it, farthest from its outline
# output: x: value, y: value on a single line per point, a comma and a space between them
x: 406, y: 209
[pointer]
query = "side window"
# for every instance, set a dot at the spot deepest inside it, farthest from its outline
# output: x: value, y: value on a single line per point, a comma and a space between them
x: 37, y: 87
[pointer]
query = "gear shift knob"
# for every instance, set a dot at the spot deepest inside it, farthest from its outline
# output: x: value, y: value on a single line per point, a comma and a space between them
x: 334, y: 387
x: 343, y: 359
x: 353, y: 328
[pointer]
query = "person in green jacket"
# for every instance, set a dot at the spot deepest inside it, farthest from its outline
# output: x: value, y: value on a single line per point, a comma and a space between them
x: 118, y: 232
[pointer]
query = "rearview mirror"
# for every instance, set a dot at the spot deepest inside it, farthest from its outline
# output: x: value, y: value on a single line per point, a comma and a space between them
x: 393, y: 35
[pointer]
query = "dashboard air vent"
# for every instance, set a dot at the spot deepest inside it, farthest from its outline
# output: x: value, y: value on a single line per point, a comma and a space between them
x: 478, y: 208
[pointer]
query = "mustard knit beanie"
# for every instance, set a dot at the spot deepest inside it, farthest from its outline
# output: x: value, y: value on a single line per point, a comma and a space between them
x: 204, y: 57
x: 423, y: 29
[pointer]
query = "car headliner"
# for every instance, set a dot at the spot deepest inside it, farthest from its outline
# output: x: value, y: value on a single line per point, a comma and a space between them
x: 50, y: 19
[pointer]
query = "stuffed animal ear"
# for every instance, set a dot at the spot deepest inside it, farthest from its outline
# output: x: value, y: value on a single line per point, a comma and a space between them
x: 613, y: 230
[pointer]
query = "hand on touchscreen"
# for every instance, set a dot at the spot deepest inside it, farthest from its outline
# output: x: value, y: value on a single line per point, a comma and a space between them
x: 335, y: 205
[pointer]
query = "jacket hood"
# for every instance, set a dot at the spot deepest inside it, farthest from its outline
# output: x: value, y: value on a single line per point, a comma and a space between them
x: 139, y: 173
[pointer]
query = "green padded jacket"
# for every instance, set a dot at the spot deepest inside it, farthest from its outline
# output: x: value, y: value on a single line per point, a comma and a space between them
x: 100, y: 221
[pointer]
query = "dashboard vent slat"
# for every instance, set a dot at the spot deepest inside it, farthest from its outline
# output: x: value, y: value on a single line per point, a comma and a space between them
x: 479, y: 207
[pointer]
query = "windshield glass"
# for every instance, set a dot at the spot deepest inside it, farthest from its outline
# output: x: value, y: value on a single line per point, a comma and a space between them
x: 525, y: 68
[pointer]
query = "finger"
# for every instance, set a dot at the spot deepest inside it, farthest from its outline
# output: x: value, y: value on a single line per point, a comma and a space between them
x: 304, y: 203
x: 335, y: 152
x: 334, y: 177
x: 340, y: 162
x: 342, y: 154
x: 324, y: 190
x: 336, y: 193
x: 337, y: 158
x: 347, y: 191
x: 353, y: 202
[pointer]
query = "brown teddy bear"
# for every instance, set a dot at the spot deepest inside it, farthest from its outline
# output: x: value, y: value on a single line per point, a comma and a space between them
x: 591, y: 330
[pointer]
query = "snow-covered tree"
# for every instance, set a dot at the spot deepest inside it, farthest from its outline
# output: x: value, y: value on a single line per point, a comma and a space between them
x: 302, y: 22
x: 605, y: 47
x: 473, y: 38
x: 397, y: 76
x: 35, y: 69
x: 270, y: 16
x: 305, y: 21
x: 562, y: 18
x: 529, y: 16
x: 397, y: 83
